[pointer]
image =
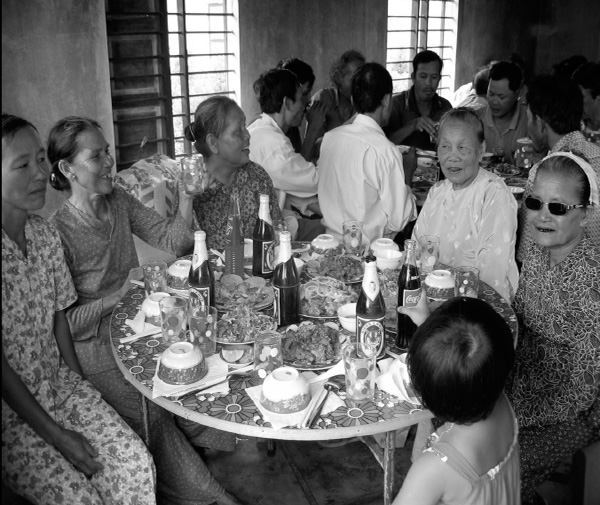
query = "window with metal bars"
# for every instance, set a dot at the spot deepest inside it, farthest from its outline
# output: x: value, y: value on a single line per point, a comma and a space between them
x: 416, y: 25
x: 204, y: 58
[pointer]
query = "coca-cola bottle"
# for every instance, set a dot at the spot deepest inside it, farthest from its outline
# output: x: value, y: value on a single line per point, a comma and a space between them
x: 262, y: 241
x: 201, y: 278
x: 409, y: 293
x: 286, y: 284
x: 370, y: 311
x: 234, y: 238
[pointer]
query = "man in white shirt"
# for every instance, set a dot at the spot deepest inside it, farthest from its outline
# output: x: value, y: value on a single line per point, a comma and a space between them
x: 280, y: 97
x: 361, y: 173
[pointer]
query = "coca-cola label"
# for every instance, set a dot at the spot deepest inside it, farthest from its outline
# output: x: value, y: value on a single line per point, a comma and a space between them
x: 411, y: 297
x: 199, y: 296
x: 371, y: 331
x: 267, y: 257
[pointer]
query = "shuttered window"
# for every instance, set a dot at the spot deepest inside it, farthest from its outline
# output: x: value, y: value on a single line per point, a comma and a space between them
x: 416, y: 25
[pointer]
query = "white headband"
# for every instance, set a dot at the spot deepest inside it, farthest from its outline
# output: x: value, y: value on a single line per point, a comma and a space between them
x: 587, y: 168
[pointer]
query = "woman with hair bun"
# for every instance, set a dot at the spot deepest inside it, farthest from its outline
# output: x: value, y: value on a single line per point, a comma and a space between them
x: 96, y: 226
x: 219, y: 134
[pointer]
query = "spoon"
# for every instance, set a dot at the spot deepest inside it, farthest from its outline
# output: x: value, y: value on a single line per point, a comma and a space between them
x: 329, y: 387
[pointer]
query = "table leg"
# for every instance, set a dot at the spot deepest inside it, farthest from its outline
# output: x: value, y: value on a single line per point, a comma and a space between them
x: 145, y: 420
x: 388, y: 467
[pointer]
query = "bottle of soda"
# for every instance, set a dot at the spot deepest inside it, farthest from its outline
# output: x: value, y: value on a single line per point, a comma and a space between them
x: 262, y: 241
x: 409, y: 293
x: 234, y: 245
x: 286, y: 284
x: 370, y: 311
x: 201, y: 278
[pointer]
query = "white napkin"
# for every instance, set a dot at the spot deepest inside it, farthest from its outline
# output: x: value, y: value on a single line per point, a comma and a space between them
x: 337, y: 369
x: 279, y: 421
x: 394, y: 379
x: 139, y: 324
x: 216, y: 368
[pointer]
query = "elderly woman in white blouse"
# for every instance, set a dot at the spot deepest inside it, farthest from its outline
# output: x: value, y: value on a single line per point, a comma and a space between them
x: 472, y: 210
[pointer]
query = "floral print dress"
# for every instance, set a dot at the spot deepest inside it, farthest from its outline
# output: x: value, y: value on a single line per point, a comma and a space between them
x: 34, y: 287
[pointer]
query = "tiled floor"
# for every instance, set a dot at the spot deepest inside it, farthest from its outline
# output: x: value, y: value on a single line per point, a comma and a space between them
x: 305, y: 473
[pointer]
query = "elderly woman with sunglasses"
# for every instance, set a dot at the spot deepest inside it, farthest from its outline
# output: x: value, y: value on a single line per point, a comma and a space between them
x: 556, y: 379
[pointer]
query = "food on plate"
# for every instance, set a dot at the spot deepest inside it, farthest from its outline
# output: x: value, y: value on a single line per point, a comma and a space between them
x: 181, y: 363
x: 505, y: 169
x: 231, y: 290
x: 515, y: 181
x: 285, y: 391
x: 242, y: 324
x: 341, y: 267
x: 322, y: 296
x: 312, y: 343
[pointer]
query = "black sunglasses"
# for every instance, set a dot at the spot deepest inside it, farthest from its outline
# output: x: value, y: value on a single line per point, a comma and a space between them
x: 558, y: 209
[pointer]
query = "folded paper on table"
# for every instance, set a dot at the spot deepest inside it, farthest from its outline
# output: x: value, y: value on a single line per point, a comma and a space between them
x: 337, y: 369
x: 296, y: 419
x: 216, y: 368
x: 138, y: 323
x: 394, y: 379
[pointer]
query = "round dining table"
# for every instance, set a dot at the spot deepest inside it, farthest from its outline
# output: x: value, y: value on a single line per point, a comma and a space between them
x: 236, y: 412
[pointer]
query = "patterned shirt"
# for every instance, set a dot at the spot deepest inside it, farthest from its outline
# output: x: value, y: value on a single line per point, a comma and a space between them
x: 557, y: 370
x: 100, y: 256
x: 33, y: 289
x: 212, y: 206
x: 477, y: 227
x: 576, y: 142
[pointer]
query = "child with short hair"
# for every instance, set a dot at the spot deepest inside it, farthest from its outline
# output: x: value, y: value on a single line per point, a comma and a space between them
x: 459, y: 360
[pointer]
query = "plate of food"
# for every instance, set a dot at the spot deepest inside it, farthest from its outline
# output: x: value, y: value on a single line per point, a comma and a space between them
x: 312, y: 345
x: 242, y: 325
x: 231, y: 291
x: 506, y: 170
x: 345, y: 268
x: 321, y: 297
x: 517, y: 182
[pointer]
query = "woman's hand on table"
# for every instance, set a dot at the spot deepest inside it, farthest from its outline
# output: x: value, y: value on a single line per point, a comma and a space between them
x: 420, y: 312
x: 78, y: 451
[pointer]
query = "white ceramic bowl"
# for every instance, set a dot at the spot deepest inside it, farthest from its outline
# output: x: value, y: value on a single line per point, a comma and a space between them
x: 181, y: 363
x: 151, y: 309
x: 325, y: 241
x: 429, y: 154
x: 425, y: 162
x: 384, y: 243
x: 285, y: 391
x: 403, y: 149
x: 440, y: 285
x: 388, y: 259
x: 178, y: 273
x: 347, y: 316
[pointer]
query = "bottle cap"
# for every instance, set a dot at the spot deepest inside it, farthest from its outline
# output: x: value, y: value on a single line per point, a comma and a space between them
x: 200, y: 235
x: 285, y: 236
x: 410, y: 244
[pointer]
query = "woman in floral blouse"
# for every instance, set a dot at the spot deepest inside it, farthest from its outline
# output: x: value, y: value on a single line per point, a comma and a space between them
x: 556, y: 382
x: 96, y: 226
x: 61, y: 443
x: 219, y: 133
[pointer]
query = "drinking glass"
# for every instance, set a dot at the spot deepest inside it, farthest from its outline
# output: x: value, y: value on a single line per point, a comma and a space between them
x: 202, y: 320
x: 430, y: 252
x: 466, y: 281
x: 352, y: 237
x: 195, y: 174
x: 267, y: 353
x: 155, y: 277
x: 498, y: 154
x: 359, y: 368
x: 173, y: 316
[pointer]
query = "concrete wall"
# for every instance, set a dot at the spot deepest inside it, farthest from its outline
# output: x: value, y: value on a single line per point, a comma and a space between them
x: 316, y: 31
x: 55, y: 64
x: 543, y: 32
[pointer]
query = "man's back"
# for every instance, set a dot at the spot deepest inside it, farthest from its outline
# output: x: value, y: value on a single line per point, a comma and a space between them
x: 361, y: 177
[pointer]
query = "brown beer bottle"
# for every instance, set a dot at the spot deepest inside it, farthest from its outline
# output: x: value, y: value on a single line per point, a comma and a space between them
x: 286, y: 284
x: 370, y: 310
x: 262, y: 241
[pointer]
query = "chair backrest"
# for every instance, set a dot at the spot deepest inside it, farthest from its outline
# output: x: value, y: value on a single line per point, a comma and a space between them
x: 153, y: 181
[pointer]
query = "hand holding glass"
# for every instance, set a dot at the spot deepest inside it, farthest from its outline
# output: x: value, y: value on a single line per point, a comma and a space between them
x: 195, y: 174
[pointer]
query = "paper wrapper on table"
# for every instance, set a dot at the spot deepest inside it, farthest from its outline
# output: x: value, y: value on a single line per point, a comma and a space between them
x: 216, y: 368
x: 296, y: 419
x: 394, y: 379
x: 140, y: 326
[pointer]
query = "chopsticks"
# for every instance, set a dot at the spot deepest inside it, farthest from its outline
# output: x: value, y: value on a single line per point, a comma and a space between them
x: 133, y: 338
x: 178, y: 292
